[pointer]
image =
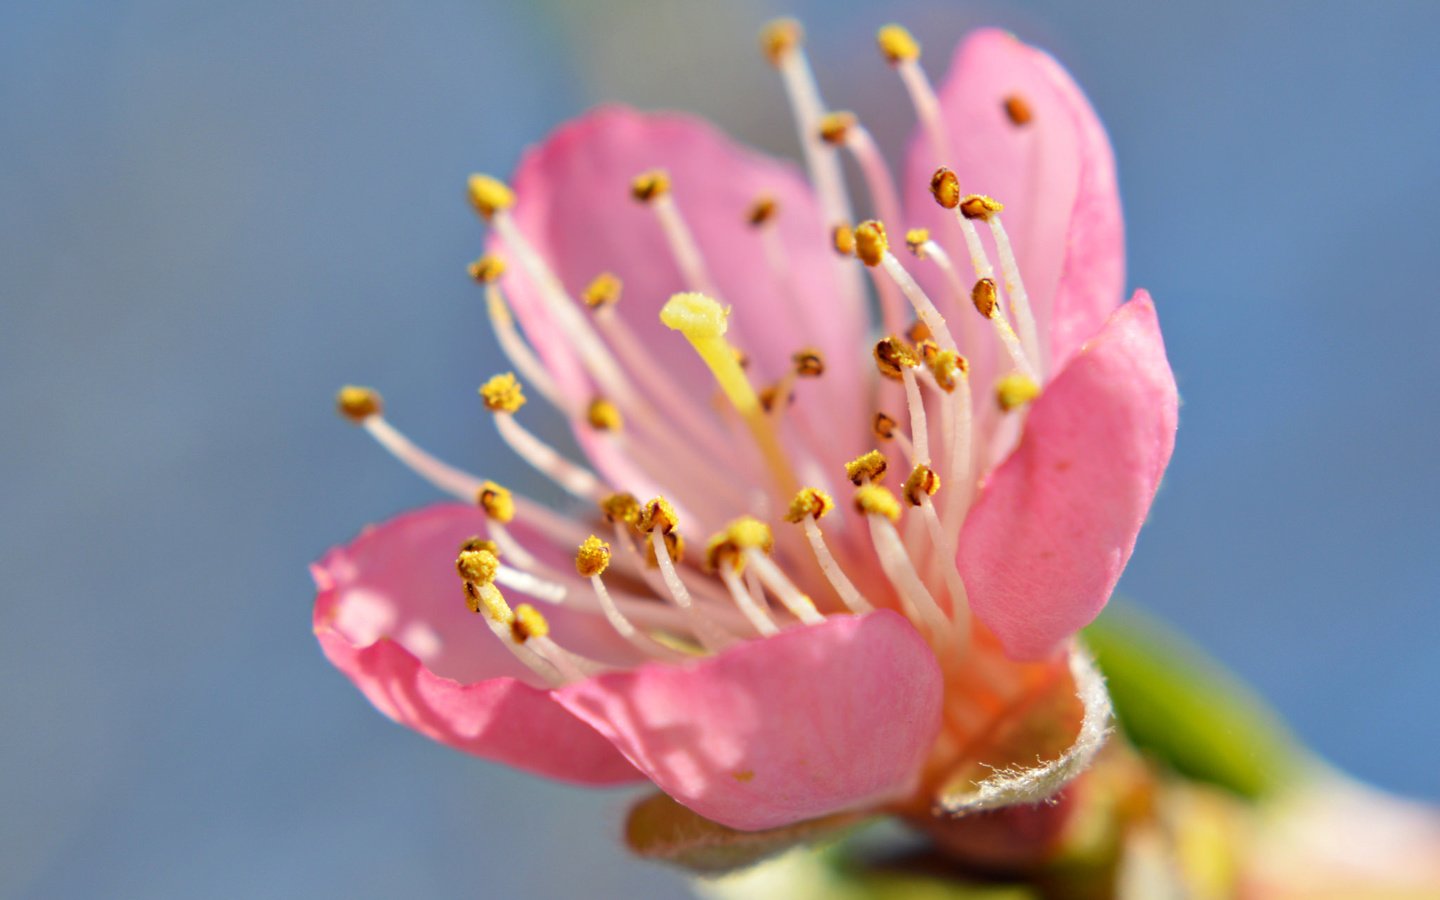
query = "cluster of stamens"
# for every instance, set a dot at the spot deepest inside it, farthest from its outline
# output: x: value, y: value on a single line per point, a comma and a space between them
x: 634, y: 569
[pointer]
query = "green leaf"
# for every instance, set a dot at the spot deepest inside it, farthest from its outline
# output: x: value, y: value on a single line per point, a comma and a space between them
x: 660, y: 829
x: 1186, y: 710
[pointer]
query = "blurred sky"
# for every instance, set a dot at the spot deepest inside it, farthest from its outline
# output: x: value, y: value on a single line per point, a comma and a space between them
x: 213, y: 214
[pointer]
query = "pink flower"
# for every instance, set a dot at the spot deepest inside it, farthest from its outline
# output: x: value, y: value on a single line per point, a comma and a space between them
x: 836, y: 645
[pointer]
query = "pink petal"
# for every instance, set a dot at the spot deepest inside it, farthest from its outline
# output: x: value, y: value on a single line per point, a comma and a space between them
x: 1055, y: 175
x: 812, y: 721
x: 390, y: 614
x: 1054, y: 526
x: 574, y: 204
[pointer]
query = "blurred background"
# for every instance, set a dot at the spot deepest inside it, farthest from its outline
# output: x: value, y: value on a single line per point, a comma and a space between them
x: 213, y: 214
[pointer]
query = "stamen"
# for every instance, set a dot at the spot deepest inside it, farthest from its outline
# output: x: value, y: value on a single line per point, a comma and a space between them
x: 502, y: 393
x: 873, y: 244
x: 455, y: 482
x: 487, y: 269
x: 892, y: 357
x: 1018, y: 110
x: 922, y: 483
x: 870, y: 245
x: 867, y: 468
x: 498, y: 502
x: 503, y: 396
x: 919, y: 430
x: 489, y: 196
x: 603, y: 415
x: 984, y: 296
x: 531, y: 629
x: 515, y: 348
x: 883, y: 427
x: 902, y: 51
x: 762, y: 211
x: 591, y: 561
x: 782, y: 41
x: 843, y: 129
x: 809, y: 506
x: 754, y: 541
x: 358, y: 404
x: 723, y: 557
x: 703, y: 322
x: 959, y: 291
x: 1015, y: 289
x: 746, y: 601
x: 653, y: 189
x: 598, y: 361
x: 603, y: 291
x: 916, y: 240
x: 882, y: 510
x: 1015, y: 390
x: 842, y: 238
x: 477, y: 570
x: 659, y: 519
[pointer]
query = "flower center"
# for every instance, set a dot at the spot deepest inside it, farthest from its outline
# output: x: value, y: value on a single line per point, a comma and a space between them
x: 752, y: 581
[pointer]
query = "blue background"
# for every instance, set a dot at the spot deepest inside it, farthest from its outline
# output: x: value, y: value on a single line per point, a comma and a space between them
x: 213, y: 214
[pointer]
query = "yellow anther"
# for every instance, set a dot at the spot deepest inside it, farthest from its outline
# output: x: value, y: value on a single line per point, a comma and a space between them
x: 770, y: 397
x: 528, y: 623
x: 674, y: 548
x: 979, y: 206
x: 489, y: 195
x: 874, y: 500
x: 603, y: 290
x: 945, y: 188
x: 593, y: 557
x: 478, y: 543
x: 502, y: 393
x: 603, y: 415
x: 835, y: 126
x: 897, y: 43
x: 926, y: 350
x: 809, y: 363
x: 497, y: 502
x: 811, y: 502
x: 779, y: 37
x: 748, y: 532
x: 883, y: 427
x: 984, y: 296
x: 916, y: 239
x: 922, y: 482
x: 949, y: 367
x: 477, y: 566
x: 358, y: 403
x: 1015, y: 390
x: 658, y: 513
x: 893, y: 356
x: 842, y: 237
x: 918, y: 332
x: 1017, y: 109
x: 621, y: 508
x: 487, y: 268
x: 646, y: 186
x: 764, y: 209
x: 488, y: 599
x: 869, y: 467
x: 871, y: 242
x: 719, y: 551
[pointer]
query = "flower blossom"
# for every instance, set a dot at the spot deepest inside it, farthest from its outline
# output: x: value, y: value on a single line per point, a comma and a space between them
x: 819, y: 560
